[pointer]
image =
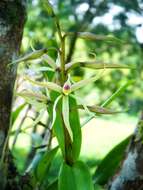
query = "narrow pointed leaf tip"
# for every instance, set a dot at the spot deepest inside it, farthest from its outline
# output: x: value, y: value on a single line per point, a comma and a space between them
x: 49, y: 85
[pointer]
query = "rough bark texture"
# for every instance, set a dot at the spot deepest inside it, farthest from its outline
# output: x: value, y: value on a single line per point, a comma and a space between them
x: 12, y: 18
x: 130, y: 177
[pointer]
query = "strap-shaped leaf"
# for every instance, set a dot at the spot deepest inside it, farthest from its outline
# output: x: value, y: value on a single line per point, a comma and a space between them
x: 75, y: 177
x: 54, y: 110
x: 58, y: 124
x: 49, y: 85
x: 95, y: 65
x: 65, y: 113
x: 31, y: 56
x: 110, y: 163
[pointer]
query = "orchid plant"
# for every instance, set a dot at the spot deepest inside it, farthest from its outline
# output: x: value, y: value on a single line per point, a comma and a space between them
x: 62, y: 105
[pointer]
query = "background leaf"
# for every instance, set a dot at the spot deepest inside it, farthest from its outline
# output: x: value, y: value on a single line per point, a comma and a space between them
x: 110, y: 163
x: 75, y: 177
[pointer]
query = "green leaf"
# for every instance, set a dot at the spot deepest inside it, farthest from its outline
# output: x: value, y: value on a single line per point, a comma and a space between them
x: 58, y: 123
x: 96, y: 65
x: 76, y: 128
x: 55, y: 111
x: 44, y: 163
x: 111, y: 162
x: 75, y: 177
x: 16, y: 113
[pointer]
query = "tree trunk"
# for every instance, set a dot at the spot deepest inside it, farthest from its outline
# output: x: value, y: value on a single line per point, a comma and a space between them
x: 130, y: 176
x: 12, y: 18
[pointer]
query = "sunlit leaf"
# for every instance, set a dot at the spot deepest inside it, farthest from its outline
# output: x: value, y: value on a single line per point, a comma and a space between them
x: 111, y: 162
x: 75, y: 177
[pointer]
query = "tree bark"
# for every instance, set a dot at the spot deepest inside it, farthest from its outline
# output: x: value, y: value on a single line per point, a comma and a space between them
x: 130, y: 176
x: 12, y: 19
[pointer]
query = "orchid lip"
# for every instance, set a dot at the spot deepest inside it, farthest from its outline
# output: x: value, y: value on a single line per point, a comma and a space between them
x: 66, y: 87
